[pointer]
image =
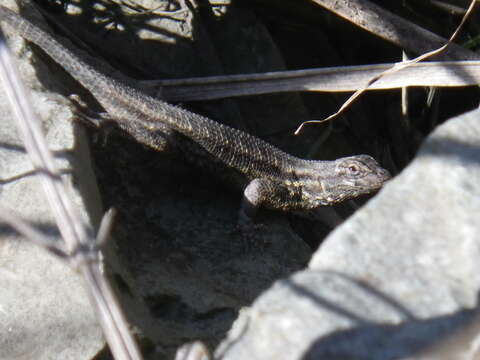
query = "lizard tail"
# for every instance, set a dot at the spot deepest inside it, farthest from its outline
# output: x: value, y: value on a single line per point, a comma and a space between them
x: 84, y: 73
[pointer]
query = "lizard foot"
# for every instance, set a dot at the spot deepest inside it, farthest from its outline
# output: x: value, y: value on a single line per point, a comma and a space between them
x: 94, y: 119
x: 88, y: 116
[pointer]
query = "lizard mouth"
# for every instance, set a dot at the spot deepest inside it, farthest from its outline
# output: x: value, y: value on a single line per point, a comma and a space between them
x: 375, y: 181
x: 352, y: 188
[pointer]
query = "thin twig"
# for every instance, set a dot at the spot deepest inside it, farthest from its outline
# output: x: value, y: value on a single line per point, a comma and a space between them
x: 105, y: 228
x: 397, y: 67
x: 70, y: 226
x: 73, y: 230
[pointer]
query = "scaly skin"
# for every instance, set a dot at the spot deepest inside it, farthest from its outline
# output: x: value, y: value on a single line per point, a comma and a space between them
x: 273, y: 178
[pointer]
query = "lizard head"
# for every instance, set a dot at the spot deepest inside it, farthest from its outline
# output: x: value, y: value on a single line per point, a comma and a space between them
x: 350, y: 177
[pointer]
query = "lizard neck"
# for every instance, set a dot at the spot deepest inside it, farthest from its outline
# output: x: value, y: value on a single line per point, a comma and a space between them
x: 308, y: 169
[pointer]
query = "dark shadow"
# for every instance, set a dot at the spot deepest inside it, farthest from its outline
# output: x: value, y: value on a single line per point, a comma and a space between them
x: 46, y: 229
x: 33, y: 173
x: 18, y: 148
x: 164, y: 53
x: 13, y: 147
x: 63, y: 154
x: 338, y: 309
x: 389, y: 342
x: 374, y: 340
x: 414, y: 33
x: 131, y: 177
x: 401, y: 309
x: 451, y: 148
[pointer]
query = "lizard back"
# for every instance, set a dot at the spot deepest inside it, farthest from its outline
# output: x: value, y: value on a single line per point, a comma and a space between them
x: 130, y: 107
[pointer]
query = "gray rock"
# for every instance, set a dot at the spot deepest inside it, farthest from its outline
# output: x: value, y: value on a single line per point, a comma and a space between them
x: 180, y: 270
x: 400, y: 276
x: 44, y: 308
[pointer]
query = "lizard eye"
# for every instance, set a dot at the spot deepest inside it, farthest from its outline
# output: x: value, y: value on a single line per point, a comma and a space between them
x: 353, y: 169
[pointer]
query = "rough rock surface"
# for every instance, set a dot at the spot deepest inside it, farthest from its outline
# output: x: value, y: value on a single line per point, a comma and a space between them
x: 44, y: 309
x: 180, y: 269
x: 399, y: 276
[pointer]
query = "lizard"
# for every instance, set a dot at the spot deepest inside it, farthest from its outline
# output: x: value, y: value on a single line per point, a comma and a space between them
x: 271, y: 178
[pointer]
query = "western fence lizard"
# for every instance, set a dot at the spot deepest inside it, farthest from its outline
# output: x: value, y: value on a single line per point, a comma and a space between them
x: 272, y: 178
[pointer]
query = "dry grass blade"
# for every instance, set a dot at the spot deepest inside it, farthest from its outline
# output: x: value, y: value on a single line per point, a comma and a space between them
x: 331, y: 79
x: 193, y: 351
x: 105, y: 227
x: 397, y: 67
x: 67, y: 217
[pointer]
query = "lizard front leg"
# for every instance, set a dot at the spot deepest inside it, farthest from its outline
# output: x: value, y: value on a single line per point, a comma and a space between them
x: 267, y: 193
